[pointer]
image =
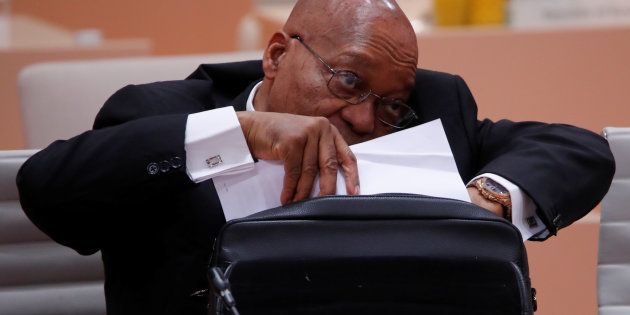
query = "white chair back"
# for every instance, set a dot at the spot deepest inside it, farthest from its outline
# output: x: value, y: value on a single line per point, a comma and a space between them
x: 61, y: 99
x: 37, y: 275
x: 613, y: 270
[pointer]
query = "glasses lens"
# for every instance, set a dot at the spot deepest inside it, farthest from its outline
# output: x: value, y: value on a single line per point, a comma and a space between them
x: 394, y: 113
x: 348, y: 86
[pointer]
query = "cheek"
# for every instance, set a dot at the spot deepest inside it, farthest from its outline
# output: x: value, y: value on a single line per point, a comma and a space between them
x: 303, y: 91
x: 382, y: 130
x: 322, y: 106
x: 323, y: 102
x: 307, y: 97
x: 314, y: 99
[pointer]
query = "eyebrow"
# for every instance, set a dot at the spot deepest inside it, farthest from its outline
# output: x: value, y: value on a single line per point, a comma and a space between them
x: 354, y: 57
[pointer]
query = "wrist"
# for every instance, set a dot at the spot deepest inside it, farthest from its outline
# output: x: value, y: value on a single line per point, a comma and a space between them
x: 245, y: 120
x: 495, y: 192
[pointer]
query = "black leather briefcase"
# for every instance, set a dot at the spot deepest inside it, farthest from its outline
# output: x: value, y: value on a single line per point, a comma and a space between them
x: 381, y: 254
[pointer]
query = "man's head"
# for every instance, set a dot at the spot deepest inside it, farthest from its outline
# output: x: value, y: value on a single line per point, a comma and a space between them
x: 372, y: 39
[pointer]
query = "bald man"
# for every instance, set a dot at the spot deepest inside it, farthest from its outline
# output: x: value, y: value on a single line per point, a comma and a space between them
x: 138, y: 186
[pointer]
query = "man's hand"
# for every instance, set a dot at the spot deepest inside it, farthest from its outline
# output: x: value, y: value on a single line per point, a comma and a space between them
x: 307, y: 145
x: 480, y: 200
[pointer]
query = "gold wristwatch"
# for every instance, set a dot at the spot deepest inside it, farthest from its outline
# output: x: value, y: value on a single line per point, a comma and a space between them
x: 493, y: 191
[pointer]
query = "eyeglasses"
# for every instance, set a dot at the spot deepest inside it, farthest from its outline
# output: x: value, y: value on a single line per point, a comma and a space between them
x: 347, y: 86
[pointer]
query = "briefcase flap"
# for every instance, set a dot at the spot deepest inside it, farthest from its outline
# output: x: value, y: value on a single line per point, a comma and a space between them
x: 388, y: 225
x: 380, y: 206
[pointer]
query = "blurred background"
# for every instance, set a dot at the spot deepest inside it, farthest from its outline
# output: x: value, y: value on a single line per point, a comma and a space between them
x: 562, y: 61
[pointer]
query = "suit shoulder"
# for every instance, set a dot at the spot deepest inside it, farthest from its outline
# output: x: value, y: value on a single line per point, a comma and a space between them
x: 157, y: 98
x: 193, y: 88
x: 166, y: 93
x: 435, y: 84
x: 427, y: 76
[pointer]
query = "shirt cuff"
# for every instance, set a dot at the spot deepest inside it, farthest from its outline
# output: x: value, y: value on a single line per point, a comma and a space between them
x: 215, y: 145
x: 524, y: 215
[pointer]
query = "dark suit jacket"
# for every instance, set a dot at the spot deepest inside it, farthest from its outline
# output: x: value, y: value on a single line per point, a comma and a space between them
x: 95, y: 192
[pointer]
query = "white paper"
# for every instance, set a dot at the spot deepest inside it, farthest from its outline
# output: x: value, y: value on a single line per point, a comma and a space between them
x: 416, y: 160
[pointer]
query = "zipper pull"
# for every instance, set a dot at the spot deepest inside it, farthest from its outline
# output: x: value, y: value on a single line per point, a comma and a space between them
x: 222, y: 286
x: 534, y: 300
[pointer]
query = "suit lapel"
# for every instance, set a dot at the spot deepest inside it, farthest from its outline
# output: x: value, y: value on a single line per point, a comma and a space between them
x: 239, y: 103
x: 231, y: 82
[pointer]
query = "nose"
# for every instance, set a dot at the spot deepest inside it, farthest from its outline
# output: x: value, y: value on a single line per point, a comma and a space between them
x: 360, y: 117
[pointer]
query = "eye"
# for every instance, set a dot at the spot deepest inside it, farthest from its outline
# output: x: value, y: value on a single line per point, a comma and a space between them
x: 394, y: 107
x: 392, y: 111
x: 349, y: 80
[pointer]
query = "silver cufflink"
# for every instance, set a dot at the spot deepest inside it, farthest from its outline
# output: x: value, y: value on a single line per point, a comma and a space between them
x: 531, y: 222
x: 214, y: 161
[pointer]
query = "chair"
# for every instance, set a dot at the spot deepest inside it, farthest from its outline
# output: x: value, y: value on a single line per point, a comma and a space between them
x: 38, y: 276
x: 60, y: 99
x: 613, y: 270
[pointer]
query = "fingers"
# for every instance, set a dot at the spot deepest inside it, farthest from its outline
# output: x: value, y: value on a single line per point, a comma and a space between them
x: 309, y: 169
x: 328, y: 164
x: 324, y: 152
x: 292, y: 172
x: 319, y: 157
x: 348, y: 163
x: 308, y: 146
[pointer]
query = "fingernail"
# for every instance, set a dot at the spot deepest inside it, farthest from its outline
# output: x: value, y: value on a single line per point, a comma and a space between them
x: 357, y: 190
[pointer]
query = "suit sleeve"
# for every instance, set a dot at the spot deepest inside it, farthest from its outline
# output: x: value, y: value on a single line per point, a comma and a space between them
x: 82, y: 190
x: 564, y: 169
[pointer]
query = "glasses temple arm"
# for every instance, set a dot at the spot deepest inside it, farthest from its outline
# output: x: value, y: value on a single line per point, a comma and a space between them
x: 314, y: 53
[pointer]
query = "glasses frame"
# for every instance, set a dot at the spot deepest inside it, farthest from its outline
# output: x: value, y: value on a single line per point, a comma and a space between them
x: 381, y: 101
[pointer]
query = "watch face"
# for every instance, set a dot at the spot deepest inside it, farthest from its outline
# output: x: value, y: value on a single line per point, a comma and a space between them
x: 495, y: 187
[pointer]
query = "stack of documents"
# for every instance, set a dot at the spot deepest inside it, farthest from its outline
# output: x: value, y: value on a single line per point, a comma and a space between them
x: 416, y: 160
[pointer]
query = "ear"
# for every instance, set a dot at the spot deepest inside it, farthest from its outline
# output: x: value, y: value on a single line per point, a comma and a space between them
x: 275, y: 53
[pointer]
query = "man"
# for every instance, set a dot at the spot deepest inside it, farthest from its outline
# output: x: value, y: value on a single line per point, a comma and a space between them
x: 340, y: 72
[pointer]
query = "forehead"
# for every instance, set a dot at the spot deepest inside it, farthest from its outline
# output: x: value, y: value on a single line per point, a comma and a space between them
x: 383, y: 70
x: 386, y: 69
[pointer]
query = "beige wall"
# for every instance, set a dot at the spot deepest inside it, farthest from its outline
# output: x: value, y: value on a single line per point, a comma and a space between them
x: 563, y: 269
x: 575, y: 76
x: 174, y: 26
x: 169, y: 26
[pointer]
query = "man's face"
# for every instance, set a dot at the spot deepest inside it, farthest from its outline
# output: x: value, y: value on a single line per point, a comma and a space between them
x: 300, y: 86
